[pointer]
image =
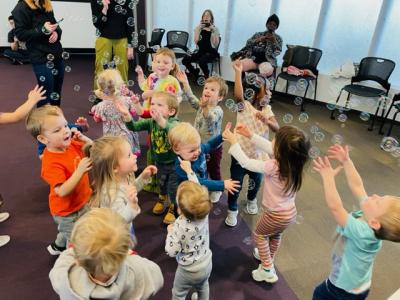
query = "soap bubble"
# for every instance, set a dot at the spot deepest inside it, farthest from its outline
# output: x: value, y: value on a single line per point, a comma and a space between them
x: 76, y: 88
x: 314, y: 129
x: 287, y: 118
x: 337, y: 139
x: 229, y: 103
x: 104, y: 18
x: 303, y: 117
x: 50, y: 57
x: 201, y: 80
x: 142, y: 48
x: 174, y: 37
x: 299, y: 219
x: 319, y: 137
x: 65, y: 55
x: 124, y: 11
x: 217, y: 211
x: 251, y: 78
x: 301, y: 84
x: 54, y: 96
x: 314, y: 152
x: 396, y: 152
x: 67, y: 69
x: 50, y: 65
x: 130, y: 21
x: 98, y: 32
x: 389, y: 144
x: 142, y: 32
x: 131, y: 5
x: 118, y: 9
x: 331, y: 106
x: 92, y: 98
x: 292, y: 89
x: 251, y: 184
x: 131, y: 82
x: 234, y: 108
x: 240, y: 106
x: 364, y: 116
x: 117, y: 60
x: 54, y: 72
x: 249, y: 94
x: 342, y: 118
x: 247, y: 240
x: 298, y: 101
x: 42, y: 78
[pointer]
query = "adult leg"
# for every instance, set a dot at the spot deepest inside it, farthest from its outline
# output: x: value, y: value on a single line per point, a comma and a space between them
x: 103, y: 49
x: 58, y: 80
x: 204, y: 60
x: 120, y: 50
x: 187, y: 62
x: 44, y: 78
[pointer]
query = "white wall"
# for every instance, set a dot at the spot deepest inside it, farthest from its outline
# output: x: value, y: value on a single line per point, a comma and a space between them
x: 78, y: 30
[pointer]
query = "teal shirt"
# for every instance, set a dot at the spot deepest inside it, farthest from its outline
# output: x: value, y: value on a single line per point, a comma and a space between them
x: 353, y: 256
x: 161, y: 151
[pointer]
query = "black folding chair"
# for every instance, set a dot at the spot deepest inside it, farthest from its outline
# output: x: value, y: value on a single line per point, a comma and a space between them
x: 303, y: 58
x: 396, y: 105
x: 374, y: 69
x: 156, y: 37
x: 177, y: 41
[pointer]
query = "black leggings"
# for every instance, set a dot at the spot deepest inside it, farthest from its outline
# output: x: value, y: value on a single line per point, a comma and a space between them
x: 203, y: 59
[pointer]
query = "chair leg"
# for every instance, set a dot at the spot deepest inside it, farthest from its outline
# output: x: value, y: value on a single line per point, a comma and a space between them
x: 384, y: 119
x: 374, y: 117
x: 392, y: 123
x: 333, y: 110
x: 276, y: 81
x: 287, y: 86
x: 315, y: 90
x: 304, y: 98
x: 219, y: 67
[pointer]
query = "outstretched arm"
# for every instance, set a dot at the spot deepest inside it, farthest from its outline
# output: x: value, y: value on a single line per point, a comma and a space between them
x: 238, y: 88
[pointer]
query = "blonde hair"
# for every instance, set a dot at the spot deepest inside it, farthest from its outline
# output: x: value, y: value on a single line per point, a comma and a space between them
x: 193, y: 200
x: 109, y: 82
x: 390, y: 221
x: 37, y: 117
x: 101, y: 241
x: 171, y: 54
x: 170, y: 99
x: 223, y: 87
x: 104, y: 153
x: 183, y: 133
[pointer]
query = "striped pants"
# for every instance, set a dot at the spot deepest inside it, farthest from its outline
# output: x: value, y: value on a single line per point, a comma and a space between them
x: 268, y: 232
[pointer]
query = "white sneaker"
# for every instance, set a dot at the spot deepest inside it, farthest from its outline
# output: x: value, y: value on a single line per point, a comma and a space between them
x: 251, y: 207
x: 4, y: 239
x: 256, y: 254
x: 4, y: 216
x: 215, y: 196
x: 231, y: 218
x: 261, y: 274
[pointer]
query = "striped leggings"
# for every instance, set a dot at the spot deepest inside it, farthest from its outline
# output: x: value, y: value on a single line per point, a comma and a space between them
x: 268, y: 232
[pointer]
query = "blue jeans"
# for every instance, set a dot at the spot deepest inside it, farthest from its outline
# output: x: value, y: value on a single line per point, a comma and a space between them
x: 237, y: 173
x: 51, y: 83
x: 327, y: 291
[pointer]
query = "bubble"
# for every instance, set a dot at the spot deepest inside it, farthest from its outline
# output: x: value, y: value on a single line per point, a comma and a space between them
x: 314, y: 129
x: 343, y: 125
x: 67, y: 69
x: 270, y: 83
x: 301, y: 84
x: 94, y: 19
x: 314, y: 152
x: 396, y: 152
x: 98, y: 33
x: 76, y: 88
x: 217, y: 211
x: 264, y: 101
x: 337, y: 139
x: 92, y: 98
x: 65, y: 55
x: 54, y: 96
x: 364, y: 116
x: 251, y: 78
x: 259, y: 82
x: 174, y: 37
x: 131, y: 5
x: 124, y: 12
x: 229, y: 103
x: 50, y: 57
x: 251, y: 184
x: 142, y: 48
x: 287, y: 118
x: 292, y: 89
x: 142, y: 32
x: 298, y: 101
x: 54, y: 72
x: 201, y: 80
x: 299, y: 219
x: 42, y: 78
x: 331, y: 106
x: 130, y: 21
x: 342, y: 118
x: 117, y: 60
x: 50, y: 65
x: 319, y: 137
x: 118, y: 9
x: 389, y: 144
x: 303, y: 117
x: 121, y: 2
x: 234, y: 108
x: 104, y: 18
x: 249, y: 94
x: 131, y: 82
x: 247, y: 240
x: 240, y: 106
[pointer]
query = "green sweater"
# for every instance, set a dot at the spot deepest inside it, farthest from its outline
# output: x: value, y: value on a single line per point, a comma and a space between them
x: 160, y: 148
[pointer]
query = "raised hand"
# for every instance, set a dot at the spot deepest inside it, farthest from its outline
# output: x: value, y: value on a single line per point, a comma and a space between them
x: 139, y: 70
x: 228, y: 135
x: 237, y: 66
x: 339, y: 153
x: 181, y: 76
x: 120, y: 106
x: 83, y: 123
x: 185, y: 165
x: 323, y: 166
x: 242, y: 129
x: 231, y: 186
x: 37, y: 94
x: 148, y: 172
x: 132, y: 197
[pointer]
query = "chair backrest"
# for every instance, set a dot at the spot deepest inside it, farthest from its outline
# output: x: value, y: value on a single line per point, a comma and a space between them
x: 156, y: 37
x: 306, y: 58
x: 375, y: 68
x: 177, y: 39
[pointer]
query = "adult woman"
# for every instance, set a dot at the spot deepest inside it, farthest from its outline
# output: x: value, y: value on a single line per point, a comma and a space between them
x: 262, y: 49
x: 206, y: 37
x: 35, y: 24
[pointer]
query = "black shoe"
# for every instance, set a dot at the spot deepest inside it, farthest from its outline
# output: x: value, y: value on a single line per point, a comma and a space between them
x: 54, y: 249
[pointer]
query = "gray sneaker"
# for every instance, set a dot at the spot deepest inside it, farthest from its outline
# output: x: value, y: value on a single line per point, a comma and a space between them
x: 251, y: 207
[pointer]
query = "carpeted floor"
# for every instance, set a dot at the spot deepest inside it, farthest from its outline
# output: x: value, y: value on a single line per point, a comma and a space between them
x: 25, y: 262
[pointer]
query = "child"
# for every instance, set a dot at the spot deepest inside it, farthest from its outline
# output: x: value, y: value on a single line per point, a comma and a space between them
x: 188, y: 241
x: 110, y: 85
x: 100, y: 265
x: 259, y: 118
x: 163, y: 110
x: 64, y: 168
x: 185, y: 142
x: 359, y: 234
x: 34, y: 97
x: 115, y: 187
x: 283, y: 179
x: 208, y: 120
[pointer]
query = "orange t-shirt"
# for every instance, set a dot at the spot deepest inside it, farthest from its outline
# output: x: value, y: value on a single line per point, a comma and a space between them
x: 56, y: 169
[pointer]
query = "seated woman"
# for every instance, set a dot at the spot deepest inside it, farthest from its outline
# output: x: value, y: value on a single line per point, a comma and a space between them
x: 206, y: 37
x: 261, y: 49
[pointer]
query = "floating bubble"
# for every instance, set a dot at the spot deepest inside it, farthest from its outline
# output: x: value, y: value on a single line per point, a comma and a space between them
x: 314, y: 152
x: 264, y: 101
x: 247, y: 240
x: 92, y: 98
x: 364, y: 116
x: 50, y: 57
x: 234, y: 108
x: 249, y: 94
x: 240, y: 106
x: 117, y: 60
x: 118, y: 9
x: 343, y: 125
x: 298, y: 101
x: 142, y: 32
x: 131, y: 82
x: 42, y: 78
x: 54, y: 72
x: 396, y: 152
x: 299, y: 219
x: 229, y: 103
x: 314, y: 129
x: 67, y: 69
x: 292, y: 89
x: 98, y: 33
x: 124, y: 11
x: 319, y: 137
x: 54, y: 96
x: 50, y: 65
x: 270, y: 83
x: 342, y: 118
x: 251, y: 184
x: 201, y: 80
x: 251, y: 78
x: 389, y: 144
x: 142, y: 48
x: 303, y: 117
x: 337, y: 139
x: 301, y: 84
x: 131, y: 5
x: 331, y: 106
x: 65, y: 55
x: 76, y: 88
x: 287, y: 118
x: 121, y: 2
x: 259, y: 82
x: 104, y: 18
x: 130, y: 21
x: 174, y: 37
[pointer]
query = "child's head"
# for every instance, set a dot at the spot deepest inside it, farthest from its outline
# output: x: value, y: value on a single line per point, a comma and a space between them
x: 291, y: 147
x: 193, y: 200
x: 109, y: 82
x: 165, y: 103
x: 383, y: 216
x: 185, y: 141
x: 215, y: 89
x: 101, y: 241
x: 48, y: 125
x: 164, y: 63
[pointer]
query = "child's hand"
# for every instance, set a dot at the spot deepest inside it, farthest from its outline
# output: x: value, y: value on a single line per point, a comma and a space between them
x: 324, y: 168
x: 132, y: 197
x: 181, y: 76
x: 170, y: 228
x: 76, y: 134
x: 228, y: 135
x: 260, y: 116
x: 135, y: 99
x: 83, y: 123
x: 185, y: 165
x: 147, y: 94
x: 203, y: 102
x: 156, y: 115
x: 122, y: 109
x: 84, y: 165
x: 339, y: 153
x: 231, y: 185
x: 139, y: 70
x: 242, y: 129
x: 37, y: 94
x: 237, y: 66
x: 148, y: 172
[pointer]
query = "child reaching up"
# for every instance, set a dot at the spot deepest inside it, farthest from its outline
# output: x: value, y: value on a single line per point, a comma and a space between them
x: 115, y: 186
x: 257, y: 115
x: 208, y: 119
x: 100, y: 265
x: 188, y: 240
x: 359, y: 233
x: 110, y: 91
x: 283, y: 177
